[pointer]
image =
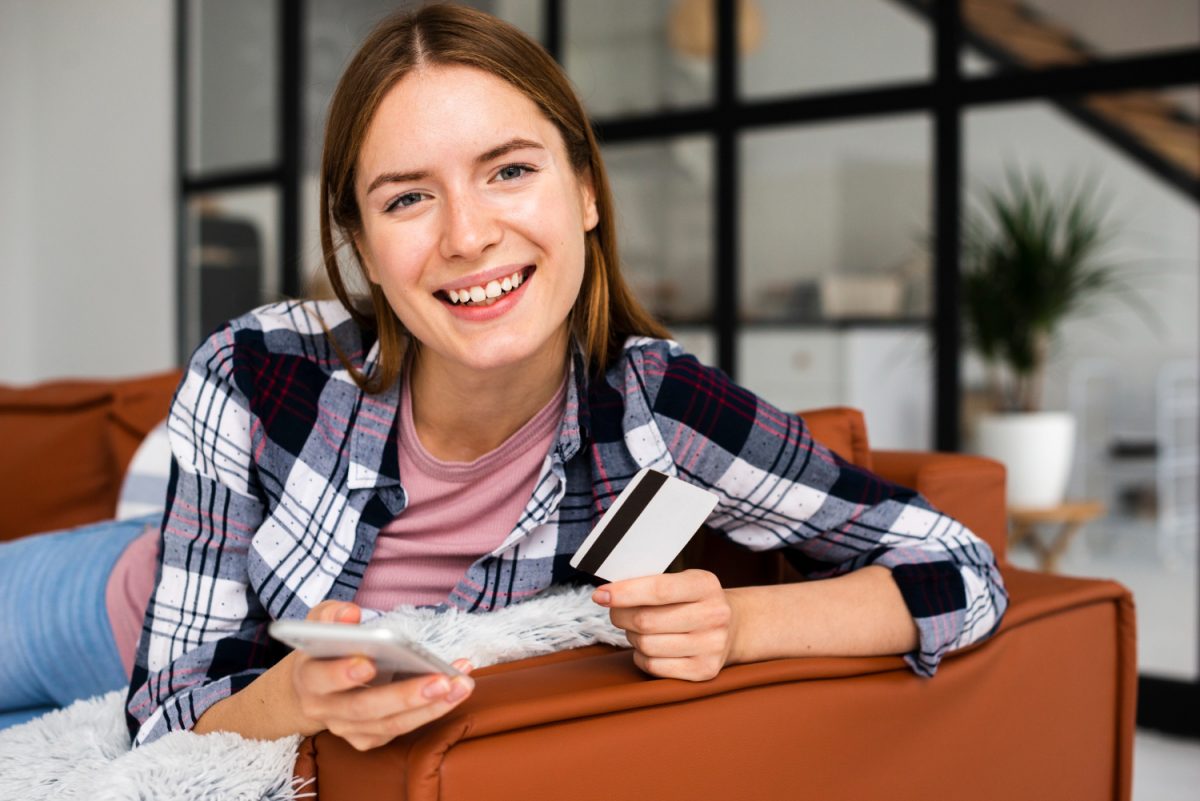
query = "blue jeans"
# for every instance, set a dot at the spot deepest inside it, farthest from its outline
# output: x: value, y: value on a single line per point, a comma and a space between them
x: 56, y: 641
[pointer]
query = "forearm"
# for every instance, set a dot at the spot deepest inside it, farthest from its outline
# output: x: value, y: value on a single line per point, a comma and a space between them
x: 859, y: 614
x: 266, y: 709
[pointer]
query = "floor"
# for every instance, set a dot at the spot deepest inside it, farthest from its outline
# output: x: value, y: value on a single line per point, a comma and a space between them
x: 1163, y: 578
x: 1162, y: 574
x: 1165, y: 768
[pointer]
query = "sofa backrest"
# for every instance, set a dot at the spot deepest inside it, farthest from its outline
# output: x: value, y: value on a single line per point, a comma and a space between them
x: 842, y: 430
x: 65, y: 446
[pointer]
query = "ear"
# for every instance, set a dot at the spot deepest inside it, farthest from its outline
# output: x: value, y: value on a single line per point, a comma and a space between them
x: 587, y: 201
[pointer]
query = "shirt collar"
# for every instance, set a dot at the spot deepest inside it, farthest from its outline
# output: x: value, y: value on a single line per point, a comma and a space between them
x: 576, y: 424
x: 374, y: 461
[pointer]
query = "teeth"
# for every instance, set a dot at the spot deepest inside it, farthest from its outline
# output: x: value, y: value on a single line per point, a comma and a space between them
x: 489, y: 293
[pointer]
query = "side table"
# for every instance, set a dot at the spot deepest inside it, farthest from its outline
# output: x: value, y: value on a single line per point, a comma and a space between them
x: 1069, y: 517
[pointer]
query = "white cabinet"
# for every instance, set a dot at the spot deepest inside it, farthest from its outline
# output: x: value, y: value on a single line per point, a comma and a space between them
x: 794, y: 369
x: 700, y: 342
x: 884, y: 371
x: 889, y: 376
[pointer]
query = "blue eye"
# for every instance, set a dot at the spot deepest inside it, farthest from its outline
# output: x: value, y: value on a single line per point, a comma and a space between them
x: 404, y: 201
x: 512, y: 171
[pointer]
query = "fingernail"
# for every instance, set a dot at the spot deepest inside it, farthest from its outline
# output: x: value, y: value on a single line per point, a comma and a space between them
x: 459, y: 690
x: 601, y: 597
x: 360, y: 671
x: 435, y: 689
x: 343, y: 614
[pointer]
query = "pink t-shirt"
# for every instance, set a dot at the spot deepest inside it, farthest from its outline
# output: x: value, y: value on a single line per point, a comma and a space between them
x: 127, y: 593
x: 457, y: 512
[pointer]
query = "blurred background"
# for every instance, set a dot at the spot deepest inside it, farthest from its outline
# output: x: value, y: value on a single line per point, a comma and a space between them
x: 792, y: 180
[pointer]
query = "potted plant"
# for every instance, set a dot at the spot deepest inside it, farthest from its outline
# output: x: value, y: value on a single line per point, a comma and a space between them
x: 1031, y: 259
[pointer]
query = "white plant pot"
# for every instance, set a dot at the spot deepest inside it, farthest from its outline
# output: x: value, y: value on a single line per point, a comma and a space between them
x: 1036, y: 447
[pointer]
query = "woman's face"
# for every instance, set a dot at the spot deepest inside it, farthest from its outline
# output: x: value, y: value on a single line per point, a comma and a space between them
x: 473, y: 219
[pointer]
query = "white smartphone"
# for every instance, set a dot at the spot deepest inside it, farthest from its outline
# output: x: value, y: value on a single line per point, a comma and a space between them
x: 393, y: 655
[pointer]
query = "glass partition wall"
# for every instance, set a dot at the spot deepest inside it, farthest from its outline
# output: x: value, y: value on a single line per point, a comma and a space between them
x: 254, y: 80
x: 789, y: 178
x: 232, y: 154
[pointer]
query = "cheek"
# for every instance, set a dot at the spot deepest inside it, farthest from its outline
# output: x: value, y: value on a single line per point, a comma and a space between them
x: 562, y: 230
x: 578, y: 261
x: 396, y: 257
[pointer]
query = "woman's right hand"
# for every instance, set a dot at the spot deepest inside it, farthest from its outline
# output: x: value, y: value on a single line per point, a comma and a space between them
x: 332, y: 693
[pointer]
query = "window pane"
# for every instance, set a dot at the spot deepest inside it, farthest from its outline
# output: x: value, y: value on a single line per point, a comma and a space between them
x: 233, y: 76
x: 1036, y: 34
x: 827, y: 45
x: 233, y: 257
x: 333, y: 30
x: 525, y: 14
x: 629, y: 56
x: 663, y: 194
x: 834, y: 221
x: 1124, y: 366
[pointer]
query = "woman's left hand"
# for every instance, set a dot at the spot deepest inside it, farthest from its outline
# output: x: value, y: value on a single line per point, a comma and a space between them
x: 681, y: 625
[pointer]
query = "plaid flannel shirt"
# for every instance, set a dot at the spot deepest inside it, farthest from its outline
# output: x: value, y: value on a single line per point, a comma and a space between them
x: 284, y: 471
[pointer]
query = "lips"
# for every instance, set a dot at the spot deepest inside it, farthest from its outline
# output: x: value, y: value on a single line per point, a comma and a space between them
x: 472, y: 312
x: 486, y: 289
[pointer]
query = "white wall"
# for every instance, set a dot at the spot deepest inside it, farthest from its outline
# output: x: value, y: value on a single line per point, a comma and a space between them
x: 86, y: 202
x: 16, y: 319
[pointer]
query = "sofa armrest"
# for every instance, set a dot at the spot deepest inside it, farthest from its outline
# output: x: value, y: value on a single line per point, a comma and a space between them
x: 968, y: 488
x: 1052, y: 692
x: 532, y: 695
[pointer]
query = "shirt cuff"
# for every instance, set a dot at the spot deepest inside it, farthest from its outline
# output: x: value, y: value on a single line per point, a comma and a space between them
x: 935, y: 595
x: 181, y: 711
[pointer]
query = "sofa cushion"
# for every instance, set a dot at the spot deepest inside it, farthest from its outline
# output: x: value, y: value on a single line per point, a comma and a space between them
x: 66, y: 445
x: 842, y: 430
x: 144, y: 486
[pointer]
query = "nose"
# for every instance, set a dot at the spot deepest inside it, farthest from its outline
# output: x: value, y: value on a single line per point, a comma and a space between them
x: 470, y: 228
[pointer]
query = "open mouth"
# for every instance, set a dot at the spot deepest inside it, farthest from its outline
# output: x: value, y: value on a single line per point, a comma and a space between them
x: 486, y: 294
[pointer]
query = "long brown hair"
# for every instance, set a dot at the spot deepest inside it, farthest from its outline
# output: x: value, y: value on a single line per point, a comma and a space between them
x: 605, y: 312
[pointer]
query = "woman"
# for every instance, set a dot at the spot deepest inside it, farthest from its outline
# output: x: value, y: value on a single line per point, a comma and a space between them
x: 455, y: 442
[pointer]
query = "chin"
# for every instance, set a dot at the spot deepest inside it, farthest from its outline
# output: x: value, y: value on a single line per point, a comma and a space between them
x: 491, y: 356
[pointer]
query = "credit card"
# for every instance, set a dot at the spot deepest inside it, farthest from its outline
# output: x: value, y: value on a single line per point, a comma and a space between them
x: 645, y: 528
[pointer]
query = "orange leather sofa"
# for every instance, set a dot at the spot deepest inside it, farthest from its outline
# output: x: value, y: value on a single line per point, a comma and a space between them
x: 1044, y: 710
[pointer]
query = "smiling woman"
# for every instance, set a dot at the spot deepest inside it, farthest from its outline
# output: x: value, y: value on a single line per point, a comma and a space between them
x: 467, y: 69
x: 482, y: 205
x: 453, y: 441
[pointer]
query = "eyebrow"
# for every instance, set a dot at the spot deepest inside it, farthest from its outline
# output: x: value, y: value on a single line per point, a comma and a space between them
x: 515, y: 143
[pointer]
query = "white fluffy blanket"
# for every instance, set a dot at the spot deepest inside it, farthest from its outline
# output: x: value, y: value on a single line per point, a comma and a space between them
x: 83, y: 751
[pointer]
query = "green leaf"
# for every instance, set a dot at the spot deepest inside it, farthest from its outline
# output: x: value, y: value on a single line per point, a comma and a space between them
x: 1032, y: 257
